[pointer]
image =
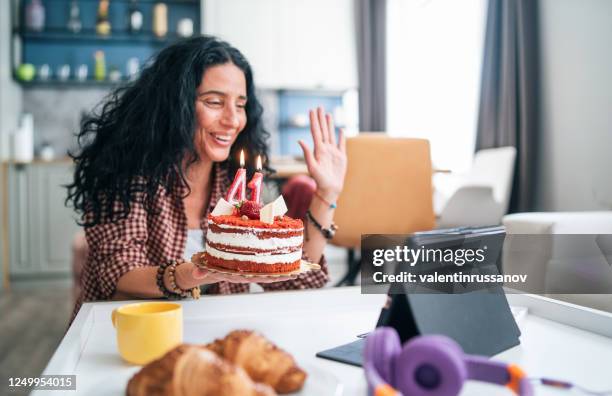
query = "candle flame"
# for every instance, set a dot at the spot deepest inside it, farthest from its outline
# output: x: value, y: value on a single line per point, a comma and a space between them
x: 242, y: 158
x: 259, y: 162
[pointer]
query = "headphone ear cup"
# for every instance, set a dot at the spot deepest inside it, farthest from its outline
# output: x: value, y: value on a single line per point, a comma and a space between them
x: 430, y: 365
x: 381, y: 349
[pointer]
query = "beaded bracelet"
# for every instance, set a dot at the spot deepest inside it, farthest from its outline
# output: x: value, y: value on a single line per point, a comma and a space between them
x: 176, y: 292
x: 328, y: 233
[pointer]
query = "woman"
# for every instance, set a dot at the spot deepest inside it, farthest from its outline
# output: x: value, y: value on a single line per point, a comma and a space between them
x: 157, y: 158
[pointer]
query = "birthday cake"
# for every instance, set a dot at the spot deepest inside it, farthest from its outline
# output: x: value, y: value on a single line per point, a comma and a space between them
x: 248, y: 238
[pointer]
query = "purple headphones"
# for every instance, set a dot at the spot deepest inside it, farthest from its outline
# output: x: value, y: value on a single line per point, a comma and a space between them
x: 431, y: 365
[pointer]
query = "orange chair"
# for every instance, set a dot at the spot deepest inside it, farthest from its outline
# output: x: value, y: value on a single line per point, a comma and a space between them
x: 387, y: 190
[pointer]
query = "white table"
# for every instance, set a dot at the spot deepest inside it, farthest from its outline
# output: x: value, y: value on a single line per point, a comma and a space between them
x: 559, y: 340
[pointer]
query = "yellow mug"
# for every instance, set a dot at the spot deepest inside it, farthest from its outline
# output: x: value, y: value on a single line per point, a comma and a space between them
x: 145, y: 331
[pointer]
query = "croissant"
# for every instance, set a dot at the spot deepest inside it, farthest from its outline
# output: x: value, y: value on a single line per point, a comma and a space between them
x: 263, y: 361
x: 189, y: 370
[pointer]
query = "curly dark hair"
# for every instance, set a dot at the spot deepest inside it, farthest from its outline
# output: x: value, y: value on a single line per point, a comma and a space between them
x: 140, y: 136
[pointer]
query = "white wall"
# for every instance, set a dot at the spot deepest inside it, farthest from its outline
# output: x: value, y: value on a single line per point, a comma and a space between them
x: 10, y: 92
x: 297, y: 44
x: 575, y: 169
x: 10, y: 102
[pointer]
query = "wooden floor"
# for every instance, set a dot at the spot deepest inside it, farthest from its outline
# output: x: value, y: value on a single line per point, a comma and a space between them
x: 34, y: 318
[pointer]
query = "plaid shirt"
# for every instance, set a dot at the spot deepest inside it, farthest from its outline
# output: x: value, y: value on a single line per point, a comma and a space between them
x: 144, y: 239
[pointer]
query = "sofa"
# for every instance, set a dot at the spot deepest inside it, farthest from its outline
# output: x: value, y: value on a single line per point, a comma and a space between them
x: 563, y: 248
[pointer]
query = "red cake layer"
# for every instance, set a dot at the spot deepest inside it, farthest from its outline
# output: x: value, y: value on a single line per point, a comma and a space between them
x: 261, y: 234
x: 284, y: 222
x: 249, y: 266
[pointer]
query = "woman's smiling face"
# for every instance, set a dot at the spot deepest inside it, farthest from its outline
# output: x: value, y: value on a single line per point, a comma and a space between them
x: 220, y: 111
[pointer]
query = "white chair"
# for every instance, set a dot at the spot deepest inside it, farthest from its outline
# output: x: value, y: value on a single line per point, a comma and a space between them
x: 480, y: 197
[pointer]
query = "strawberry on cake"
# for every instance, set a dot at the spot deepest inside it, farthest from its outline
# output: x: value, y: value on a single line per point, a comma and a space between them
x: 253, y: 239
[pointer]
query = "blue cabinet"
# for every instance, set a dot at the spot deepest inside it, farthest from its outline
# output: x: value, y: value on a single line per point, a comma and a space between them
x: 294, y: 123
x: 57, y: 46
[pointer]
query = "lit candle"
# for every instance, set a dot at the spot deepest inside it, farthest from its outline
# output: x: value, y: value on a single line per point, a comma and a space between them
x: 255, y: 183
x: 238, y: 186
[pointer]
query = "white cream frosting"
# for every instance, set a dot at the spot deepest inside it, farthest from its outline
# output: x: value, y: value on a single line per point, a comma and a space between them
x: 254, y: 229
x: 252, y: 241
x: 259, y: 258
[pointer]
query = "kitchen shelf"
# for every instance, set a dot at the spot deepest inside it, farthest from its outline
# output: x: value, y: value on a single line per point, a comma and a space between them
x: 90, y: 35
x: 190, y: 2
x: 55, y: 83
x: 56, y: 45
x: 292, y: 103
x: 169, y: 2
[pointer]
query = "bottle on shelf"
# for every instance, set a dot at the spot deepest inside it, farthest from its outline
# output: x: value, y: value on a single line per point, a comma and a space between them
x: 103, y: 26
x: 35, y: 16
x: 44, y: 72
x: 100, y: 66
x: 74, y: 22
x: 135, y: 17
x: 132, y: 68
x: 81, y: 73
x: 160, y: 19
x: 184, y: 28
x: 114, y: 74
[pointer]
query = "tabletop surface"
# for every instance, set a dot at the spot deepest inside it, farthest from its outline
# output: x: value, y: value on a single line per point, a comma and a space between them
x: 305, y: 322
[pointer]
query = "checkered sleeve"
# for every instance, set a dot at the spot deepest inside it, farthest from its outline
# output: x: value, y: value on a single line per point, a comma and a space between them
x: 309, y: 280
x: 117, y: 248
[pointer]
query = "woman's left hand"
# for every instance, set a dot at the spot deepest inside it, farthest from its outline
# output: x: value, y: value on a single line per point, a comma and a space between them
x: 327, y: 162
